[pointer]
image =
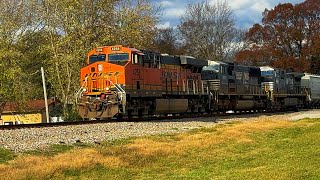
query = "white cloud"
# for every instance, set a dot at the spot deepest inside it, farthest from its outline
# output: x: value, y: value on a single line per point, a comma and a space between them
x: 247, y: 12
x: 164, y: 25
x: 166, y: 4
x: 174, y: 12
x: 255, y: 5
x: 239, y: 4
x: 260, y: 6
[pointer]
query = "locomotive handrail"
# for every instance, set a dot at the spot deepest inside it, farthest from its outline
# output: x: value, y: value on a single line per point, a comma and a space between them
x: 117, y: 86
x: 122, y: 93
x: 79, y: 92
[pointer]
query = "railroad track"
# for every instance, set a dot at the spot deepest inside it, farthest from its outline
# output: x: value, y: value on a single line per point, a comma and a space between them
x: 23, y: 138
x: 83, y: 122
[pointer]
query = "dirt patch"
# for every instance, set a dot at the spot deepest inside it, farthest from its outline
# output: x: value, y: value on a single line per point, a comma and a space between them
x: 312, y: 114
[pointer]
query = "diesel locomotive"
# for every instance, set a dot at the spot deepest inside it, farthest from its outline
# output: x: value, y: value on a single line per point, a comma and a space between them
x: 123, y: 81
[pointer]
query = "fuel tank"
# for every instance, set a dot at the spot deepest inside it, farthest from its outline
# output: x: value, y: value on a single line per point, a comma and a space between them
x: 167, y: 106
x: 244, y: 105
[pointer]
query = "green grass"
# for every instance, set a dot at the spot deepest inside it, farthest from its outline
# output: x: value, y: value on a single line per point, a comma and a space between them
x: 6, y: 155
x: 285, y: 153
x: 117, y: 142
x: 55, y: 149
x: 259, y: 150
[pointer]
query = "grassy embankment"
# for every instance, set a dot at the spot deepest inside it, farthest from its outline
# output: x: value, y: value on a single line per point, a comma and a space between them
x: 262, y: 149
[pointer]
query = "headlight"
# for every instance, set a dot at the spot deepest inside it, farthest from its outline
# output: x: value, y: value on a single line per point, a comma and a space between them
x: 107, y: 88
x: 84, y: 90
x: 100, y: 67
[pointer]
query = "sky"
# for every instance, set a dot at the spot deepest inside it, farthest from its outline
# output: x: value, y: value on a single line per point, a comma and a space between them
x: 247, y: 12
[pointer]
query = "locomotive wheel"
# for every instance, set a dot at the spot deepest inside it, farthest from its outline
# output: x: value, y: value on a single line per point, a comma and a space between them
x: 130, y: 114
x: 140, y: 113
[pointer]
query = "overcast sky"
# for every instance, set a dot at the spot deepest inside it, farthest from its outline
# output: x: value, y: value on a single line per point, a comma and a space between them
x: 247, y: 12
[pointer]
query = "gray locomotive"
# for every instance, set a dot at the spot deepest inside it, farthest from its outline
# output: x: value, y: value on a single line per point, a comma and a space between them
x: 245, y: 88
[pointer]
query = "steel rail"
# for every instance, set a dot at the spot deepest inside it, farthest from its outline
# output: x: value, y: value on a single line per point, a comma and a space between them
x: 144, y: 119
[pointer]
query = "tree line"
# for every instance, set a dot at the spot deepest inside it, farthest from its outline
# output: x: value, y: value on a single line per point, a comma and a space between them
x: 288, y: 37
x: 57, y: 34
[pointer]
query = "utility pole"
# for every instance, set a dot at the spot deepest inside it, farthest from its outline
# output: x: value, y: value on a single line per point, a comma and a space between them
x: 45, y: 94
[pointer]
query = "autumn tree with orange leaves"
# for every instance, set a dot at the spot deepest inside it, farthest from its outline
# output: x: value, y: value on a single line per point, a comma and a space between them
x: 287, y: 38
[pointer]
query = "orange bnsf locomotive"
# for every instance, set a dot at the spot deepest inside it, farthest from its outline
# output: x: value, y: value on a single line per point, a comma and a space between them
x: 122, y: 81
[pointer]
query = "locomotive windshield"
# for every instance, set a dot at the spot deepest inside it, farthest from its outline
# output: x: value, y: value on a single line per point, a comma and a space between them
x: 214, y: 67
x: 96, y: 58
x: 120, y: 59
x: 268, y: 75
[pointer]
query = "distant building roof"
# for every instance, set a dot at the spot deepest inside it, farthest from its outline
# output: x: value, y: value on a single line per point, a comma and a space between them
x: 32, y: 105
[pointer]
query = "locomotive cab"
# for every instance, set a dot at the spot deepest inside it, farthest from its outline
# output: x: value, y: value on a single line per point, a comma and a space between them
x: 211, y: 71
x: 215, y: 76
x: 282, y: 88
x: 103, y: 80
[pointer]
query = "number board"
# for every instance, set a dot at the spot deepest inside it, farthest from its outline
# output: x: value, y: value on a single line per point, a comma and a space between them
x: 99, y: 49
x: 115, y: 48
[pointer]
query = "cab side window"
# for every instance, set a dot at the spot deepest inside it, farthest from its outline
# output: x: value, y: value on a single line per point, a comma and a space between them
x: 136, y: 59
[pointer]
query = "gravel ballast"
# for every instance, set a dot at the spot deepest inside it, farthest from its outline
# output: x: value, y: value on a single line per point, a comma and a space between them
x: 20, y: 140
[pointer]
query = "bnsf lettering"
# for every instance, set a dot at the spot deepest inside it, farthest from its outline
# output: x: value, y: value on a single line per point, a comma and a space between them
x: 177, y: 75
x: 171, y: 75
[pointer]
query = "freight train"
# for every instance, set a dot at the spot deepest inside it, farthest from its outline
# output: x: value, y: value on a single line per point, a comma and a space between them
x: 122, y: 81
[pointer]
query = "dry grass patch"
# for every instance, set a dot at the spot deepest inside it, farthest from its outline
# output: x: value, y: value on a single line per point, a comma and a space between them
x: 178, y: 153
x: 45, y: 167
x: 238, y: 131
x: 149, y: 147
